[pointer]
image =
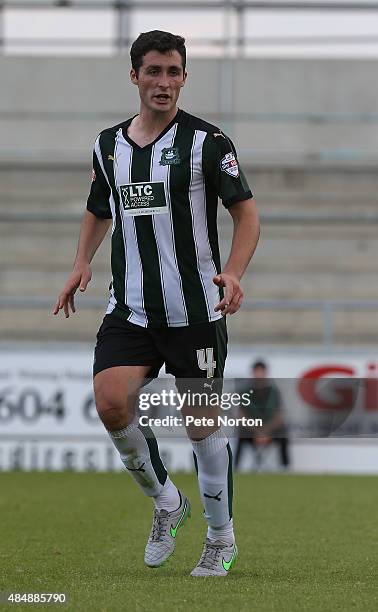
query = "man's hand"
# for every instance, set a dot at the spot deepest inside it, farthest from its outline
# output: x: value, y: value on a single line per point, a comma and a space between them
x: 233, y: 293
x: 80, y: 277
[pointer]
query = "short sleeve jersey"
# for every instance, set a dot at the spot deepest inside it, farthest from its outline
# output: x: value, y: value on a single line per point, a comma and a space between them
x: 163, y: 200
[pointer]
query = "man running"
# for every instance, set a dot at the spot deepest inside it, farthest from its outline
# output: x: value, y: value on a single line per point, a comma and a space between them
x: 157, y: 178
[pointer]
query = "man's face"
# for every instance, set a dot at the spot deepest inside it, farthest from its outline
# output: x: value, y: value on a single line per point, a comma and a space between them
x: 159, y: 80
x: 259, y: 372
x: 260, y: 377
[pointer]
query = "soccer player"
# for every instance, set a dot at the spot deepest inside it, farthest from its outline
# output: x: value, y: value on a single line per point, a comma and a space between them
x: 157, y: 177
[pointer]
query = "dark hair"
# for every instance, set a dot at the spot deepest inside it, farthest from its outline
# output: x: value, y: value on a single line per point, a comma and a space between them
x: 156, y: 41
x: 259, y: 364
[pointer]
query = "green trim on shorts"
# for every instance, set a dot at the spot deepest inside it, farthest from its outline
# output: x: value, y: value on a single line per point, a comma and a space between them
x: 221, y: 340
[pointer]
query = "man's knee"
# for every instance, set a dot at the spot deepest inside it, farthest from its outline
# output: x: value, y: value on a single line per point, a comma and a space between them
x: 109, y: 405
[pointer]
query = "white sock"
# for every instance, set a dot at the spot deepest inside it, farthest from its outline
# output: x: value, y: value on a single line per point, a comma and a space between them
x: 213, y: 459
x: 139, y: 453
x: 223, y: 534
x: 169, y: 498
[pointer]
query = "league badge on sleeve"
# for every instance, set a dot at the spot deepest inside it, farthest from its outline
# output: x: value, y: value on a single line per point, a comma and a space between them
x: 229, y: 164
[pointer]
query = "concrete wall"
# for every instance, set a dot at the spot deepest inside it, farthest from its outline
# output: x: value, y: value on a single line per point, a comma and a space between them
x: 52, y: 108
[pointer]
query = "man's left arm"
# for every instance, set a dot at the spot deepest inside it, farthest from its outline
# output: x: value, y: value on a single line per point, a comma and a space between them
x: 244, y: 241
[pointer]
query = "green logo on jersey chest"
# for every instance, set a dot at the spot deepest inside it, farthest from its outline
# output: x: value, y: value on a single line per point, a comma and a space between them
x: 143, y: 198
x: 170, y: 157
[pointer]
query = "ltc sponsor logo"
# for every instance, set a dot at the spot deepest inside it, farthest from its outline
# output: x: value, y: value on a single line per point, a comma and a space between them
x: 143, y: 198
x: 229, y: 165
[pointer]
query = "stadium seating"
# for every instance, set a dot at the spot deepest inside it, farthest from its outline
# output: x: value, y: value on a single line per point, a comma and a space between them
x: 314, y: 260
x: 306, y: 139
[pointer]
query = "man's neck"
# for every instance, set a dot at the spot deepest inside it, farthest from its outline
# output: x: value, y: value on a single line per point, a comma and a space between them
x: 152, y: 123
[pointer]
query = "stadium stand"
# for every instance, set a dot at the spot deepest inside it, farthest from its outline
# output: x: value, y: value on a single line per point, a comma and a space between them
x: 307, y: 139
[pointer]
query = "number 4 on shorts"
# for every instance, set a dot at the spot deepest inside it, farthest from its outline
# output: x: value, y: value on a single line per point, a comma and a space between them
x: 205, y: 358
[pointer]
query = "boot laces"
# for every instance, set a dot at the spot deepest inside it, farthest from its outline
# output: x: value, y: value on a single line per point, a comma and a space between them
x: 210, y: 555
x: 159, y: 525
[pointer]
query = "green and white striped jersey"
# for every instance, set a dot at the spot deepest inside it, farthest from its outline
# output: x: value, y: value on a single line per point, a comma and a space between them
x: 163, y: 201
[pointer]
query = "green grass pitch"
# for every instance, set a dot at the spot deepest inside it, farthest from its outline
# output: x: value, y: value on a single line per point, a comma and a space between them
x: 305, y: 543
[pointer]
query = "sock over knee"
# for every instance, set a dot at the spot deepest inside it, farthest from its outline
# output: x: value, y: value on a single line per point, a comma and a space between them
x: 213, y: 461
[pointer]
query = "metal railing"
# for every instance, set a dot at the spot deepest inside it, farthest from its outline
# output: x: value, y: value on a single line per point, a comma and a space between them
x: 232, y: 40
x: 328, y: 308
x: 296, y: 218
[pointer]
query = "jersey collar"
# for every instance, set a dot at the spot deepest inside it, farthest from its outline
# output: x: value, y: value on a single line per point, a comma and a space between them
x: 150, y: 144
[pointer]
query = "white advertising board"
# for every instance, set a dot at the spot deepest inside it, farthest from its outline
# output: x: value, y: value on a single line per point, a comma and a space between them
x: 48, y: 419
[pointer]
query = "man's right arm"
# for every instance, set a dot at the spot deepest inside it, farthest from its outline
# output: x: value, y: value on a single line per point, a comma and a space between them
x: 92, y: 233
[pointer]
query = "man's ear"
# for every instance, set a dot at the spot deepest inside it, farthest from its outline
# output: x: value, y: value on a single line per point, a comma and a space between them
x: 184, y: 79
x: 133, y: 77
